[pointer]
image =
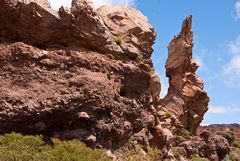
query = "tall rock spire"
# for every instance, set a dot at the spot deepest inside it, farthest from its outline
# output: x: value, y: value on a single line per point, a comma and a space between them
x: 186, y: 97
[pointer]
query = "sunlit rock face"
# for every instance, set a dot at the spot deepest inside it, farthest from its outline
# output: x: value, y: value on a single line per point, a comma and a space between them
x: 87, y: 74
x: 132, y: 25
x: 186, y: 97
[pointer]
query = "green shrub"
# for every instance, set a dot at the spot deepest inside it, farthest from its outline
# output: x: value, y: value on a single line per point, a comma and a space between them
x: 154, y: 154
x: 226, y: 158
x: 118, y: 39
x: 178, y: 139
x: 168, y: 114
x: 199, y: 159
x: 138, y: 154
x: 228, y: 135
x: 16, y: 147
x: 182, y: 135
x: 234, y: 154
x: 236, y: 144
x: 139, y: 59
x: 185, y: 133
x: 178, y: 152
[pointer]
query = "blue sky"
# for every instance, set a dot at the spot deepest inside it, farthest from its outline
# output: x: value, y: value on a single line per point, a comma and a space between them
x: 216, y: 27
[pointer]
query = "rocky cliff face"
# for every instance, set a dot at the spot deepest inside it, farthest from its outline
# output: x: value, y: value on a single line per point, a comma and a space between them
x: 88, y: 74
x: 63, y: 74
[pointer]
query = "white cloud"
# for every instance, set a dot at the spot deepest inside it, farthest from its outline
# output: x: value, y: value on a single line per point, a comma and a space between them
x: 231, y: 72
x: 99, y: 3
x: 56, y: 4
x: 200, y: 56
x: 199, y: 60
x: 223, y: 110
x: 234, y: 47
x: 237, y: 9
x: 217, y: 109
x: 164, y: 86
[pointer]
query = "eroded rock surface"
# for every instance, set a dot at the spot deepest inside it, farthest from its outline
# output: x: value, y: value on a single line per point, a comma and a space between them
x: 39, y: 25
x: 64, y: 74
x: 186, y: 98
x: 207, y: 145
x: 138, y: 36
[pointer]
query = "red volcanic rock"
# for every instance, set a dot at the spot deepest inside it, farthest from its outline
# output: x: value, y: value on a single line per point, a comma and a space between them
x: 186, y: 97
x: 28, y: 21
x: 137, y: 34
x: 71, y: 88
x: 39, y: 25
x: 89, y: 26
x: 207, y: 145
x: 64, y: 74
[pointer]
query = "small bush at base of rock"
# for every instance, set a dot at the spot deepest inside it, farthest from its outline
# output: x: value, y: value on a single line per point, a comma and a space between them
x: 182, y: 135
x: 234, y: 154
x: 179, y: 153
x: 16, y: 147
x: 199, y: 159
x: 138, y: 154
x: 226, y: 158
x: 236, y: 144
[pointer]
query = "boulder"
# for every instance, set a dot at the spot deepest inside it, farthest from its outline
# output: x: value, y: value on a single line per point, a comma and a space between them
x: 162, y: 138
x: 222, y: 146
x: 207, y: 145
x: 196, y: 146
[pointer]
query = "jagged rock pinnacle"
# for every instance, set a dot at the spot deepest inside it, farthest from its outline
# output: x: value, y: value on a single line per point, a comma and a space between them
x: 186, y: 97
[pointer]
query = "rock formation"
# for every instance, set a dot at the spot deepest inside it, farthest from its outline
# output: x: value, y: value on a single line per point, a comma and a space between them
x: 64, y: 75
x: 87, y: 74
x: 186, y: 97
x: 41, y: 26
x: 207, y: 145
x: 138, y: 37
x: 128, y: 23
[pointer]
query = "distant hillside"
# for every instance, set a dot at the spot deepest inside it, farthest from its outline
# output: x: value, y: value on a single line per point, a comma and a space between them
x: 234, y: 128
x: 224, y: 125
